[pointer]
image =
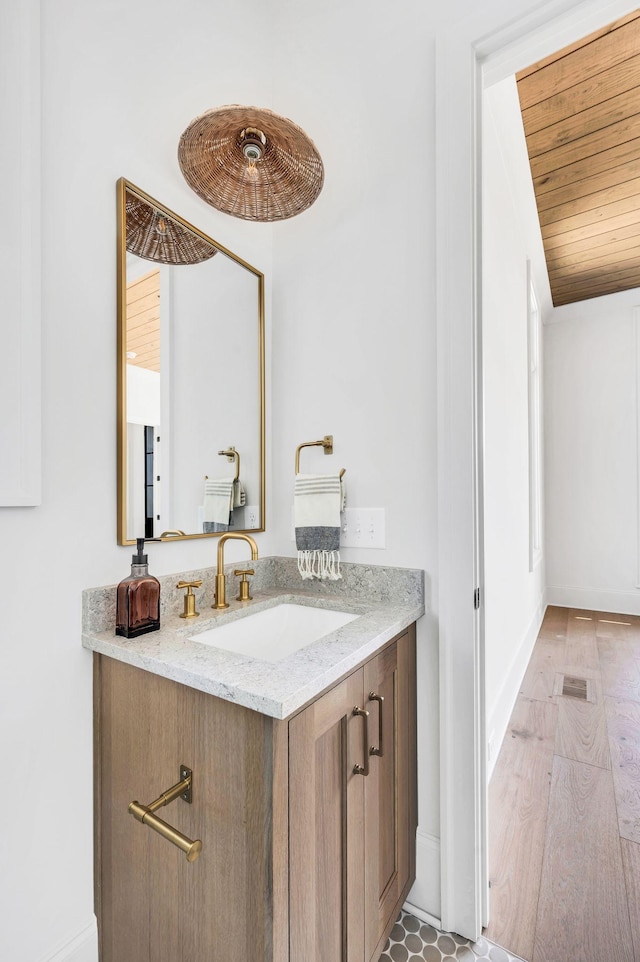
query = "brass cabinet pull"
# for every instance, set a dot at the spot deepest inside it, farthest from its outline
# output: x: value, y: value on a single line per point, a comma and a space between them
x: 363, y: 769
x: 144, y: 814
x: 380, y: 699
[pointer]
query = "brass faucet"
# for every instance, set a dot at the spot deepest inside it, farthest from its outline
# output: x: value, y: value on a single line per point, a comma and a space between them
x: 220, y: 600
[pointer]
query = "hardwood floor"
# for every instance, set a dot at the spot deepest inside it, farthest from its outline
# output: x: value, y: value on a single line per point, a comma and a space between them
x: 564, y: 799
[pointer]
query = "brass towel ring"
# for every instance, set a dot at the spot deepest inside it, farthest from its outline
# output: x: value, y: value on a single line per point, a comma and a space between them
x: 326, y: 443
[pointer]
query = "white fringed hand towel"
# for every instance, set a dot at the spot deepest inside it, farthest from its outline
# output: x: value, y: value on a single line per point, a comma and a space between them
x: 218, y: 504
x: 318, y: 500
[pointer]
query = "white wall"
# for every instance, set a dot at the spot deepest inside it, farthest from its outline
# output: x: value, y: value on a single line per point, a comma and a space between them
x: 120, y: 83
x: 214, y: 383
x: 143, y: 395
x: 514, y: 595
x: 354, y: 321
x: 591, y: 384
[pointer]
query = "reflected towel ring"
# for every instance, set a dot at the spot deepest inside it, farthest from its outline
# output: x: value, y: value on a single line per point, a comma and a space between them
x: 232, y: 455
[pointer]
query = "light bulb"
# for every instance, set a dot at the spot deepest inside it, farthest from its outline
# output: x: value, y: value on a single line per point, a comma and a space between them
x: 253, y: 144
x: 253, y: 153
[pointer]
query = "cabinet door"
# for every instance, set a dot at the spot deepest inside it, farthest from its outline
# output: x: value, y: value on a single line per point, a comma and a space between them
x: 389, y: 789
x: 137, y: 871
x: 153, y: 905
x: 326, y: 845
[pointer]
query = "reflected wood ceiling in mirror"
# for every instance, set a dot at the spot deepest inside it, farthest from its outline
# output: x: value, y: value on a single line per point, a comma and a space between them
x: 581, y: 114
x: 143, y: 321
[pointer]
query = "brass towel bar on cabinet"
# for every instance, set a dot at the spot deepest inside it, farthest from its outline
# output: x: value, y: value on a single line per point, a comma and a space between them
x: 326, y: 442
x: 144, y: 814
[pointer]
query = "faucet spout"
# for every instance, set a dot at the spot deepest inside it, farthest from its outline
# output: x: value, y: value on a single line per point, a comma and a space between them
x: 220, y: 600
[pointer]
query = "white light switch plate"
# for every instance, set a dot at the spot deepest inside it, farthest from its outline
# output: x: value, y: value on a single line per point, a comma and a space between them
x: 363, y: 528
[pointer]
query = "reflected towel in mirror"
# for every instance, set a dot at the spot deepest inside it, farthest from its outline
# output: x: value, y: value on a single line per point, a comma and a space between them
x: 218, y: 504
x: 239, y: 496
x: 318, y: 501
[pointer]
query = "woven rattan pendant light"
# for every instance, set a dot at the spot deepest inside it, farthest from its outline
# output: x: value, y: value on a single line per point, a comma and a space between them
x: 154, y: 235
x: 251, y: 163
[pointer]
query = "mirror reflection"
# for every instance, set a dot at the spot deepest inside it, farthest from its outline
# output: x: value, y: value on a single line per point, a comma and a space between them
x: 190, y: 379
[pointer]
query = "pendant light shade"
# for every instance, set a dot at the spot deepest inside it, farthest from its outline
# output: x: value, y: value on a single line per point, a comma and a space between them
x: 155, y: 236
x: 251, y: 163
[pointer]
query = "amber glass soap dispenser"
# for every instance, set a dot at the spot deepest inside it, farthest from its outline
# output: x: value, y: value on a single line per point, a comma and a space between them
x: 138, y: 603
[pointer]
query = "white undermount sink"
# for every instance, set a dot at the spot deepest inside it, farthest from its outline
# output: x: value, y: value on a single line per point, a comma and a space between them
x: 274, y: 633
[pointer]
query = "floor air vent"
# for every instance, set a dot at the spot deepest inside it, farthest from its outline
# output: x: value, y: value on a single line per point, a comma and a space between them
x: 574, y: 687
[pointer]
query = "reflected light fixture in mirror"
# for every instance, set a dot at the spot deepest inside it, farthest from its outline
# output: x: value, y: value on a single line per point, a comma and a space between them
x: 251, y: 163
x: 153, y: 235
x: 190, y: 378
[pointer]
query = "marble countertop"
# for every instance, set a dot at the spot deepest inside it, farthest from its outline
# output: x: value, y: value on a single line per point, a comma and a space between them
x: 273, y: 688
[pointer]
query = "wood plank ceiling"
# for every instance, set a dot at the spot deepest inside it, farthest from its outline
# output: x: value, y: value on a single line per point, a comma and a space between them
x: 581, y: 114
x: 143, y: 321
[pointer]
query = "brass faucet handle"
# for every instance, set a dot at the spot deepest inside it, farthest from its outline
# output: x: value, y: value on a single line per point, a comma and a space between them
x: 243, y: 574
x: 189, y: 598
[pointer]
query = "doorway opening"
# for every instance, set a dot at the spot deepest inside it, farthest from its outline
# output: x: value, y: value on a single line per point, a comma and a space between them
x: 474, y: 55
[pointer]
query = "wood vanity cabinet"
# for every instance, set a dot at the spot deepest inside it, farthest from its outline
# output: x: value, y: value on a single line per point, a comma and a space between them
x: 303, y: 859
x: 352, y: 838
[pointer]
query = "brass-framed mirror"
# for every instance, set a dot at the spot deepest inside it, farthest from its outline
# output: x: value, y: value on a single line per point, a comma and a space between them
x: 190, y: 381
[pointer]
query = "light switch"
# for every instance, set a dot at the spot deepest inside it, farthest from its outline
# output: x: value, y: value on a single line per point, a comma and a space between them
x: 362, y: 528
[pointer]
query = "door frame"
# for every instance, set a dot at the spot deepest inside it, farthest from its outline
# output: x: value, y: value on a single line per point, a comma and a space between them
x: 476, y: 52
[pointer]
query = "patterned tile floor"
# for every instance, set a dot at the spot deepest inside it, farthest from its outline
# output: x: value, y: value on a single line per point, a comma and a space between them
x: 414, y: 941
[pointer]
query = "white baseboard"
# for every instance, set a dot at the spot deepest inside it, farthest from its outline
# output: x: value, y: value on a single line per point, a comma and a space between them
x: 499, y: 715
x: 595, y: 599
x: 423, y: 916
x: 82, y: 948
x: 423, y: 900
